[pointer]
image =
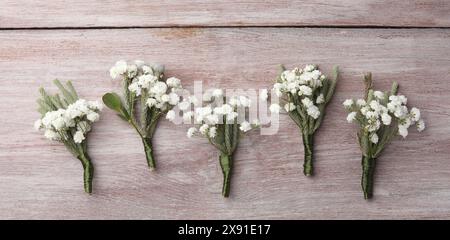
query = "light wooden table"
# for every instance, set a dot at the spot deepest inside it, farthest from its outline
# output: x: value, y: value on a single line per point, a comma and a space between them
x: 224, y: 44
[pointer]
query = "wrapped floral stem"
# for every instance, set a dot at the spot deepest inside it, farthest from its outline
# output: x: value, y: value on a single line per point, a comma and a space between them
x: 226, y: 163
x: 147, y: 96
x: 222, y: 123
x: 147, y: 142
x: 368, y: 169
x: 68, y: 119
x: 88, y: 171
x: 308, y: 147
x: 380, y: 116
x: 305, y: 93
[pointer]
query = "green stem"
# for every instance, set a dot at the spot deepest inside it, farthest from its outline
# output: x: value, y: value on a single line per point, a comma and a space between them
x: 88, y: 173
x: 308, y: 146
x: 368, y: 166
x: 149, y: 153
x: 226, y: 162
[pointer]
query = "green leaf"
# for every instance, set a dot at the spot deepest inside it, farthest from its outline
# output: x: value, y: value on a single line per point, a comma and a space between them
x: 394, y: 88
x: 72, y: 90
x: 332, y: 84
x: 113, y: 101
x: 67, y: 95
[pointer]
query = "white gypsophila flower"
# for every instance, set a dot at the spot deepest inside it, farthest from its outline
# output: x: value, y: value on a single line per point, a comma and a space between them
x: 307, y: 102
x: 38, y: 124
x: 304, y: 90
x: 378, y: 94
x: 375, y: 105
x: 173, y: 98
x: 364, y: 110
x: 170, y: 115
x: 278, y: 88
x: 173, y: 82
x: 144, y: 81
x: 134, y: 87
x: 193, y: 100
x: 93, y: 116
x: 234, y: 102
x: 245, y: 102
x: 165, y: 98
x: 227, y: 109
x: 218, y: 110
x: 309, y: 68
x: 187, y: 116
x: 52, y: 135
x: 204, y: 129
x: 289, y: 76
x: 159, y: 88
x: 351, y: 117
x: 415, y: 114
x: 256, y: 123
x: 151, y: 102
x: 59, y: 123
x: 231, y: 116
x: 348, y: 103
x: 320, y: 99
x: 274, y: 108
x: 263, y: 95
x: 212, y: 119
x: 119, y: 68
x: 360, y: 102
x: 212, y: 132
x: 191, y: 131
x: 147, y: 70
x: 131, y: 71
x: 245, y: 126
x: 420, y: 125
x: 217, y: 92
x: 313, y: 111
x: 289, y: 107
x: 386, y: 119
x: 374, y: 138
x: 78, y: 137
x: 403, y: 131
x: 184, y: 105
x: 207, y: 96
x: 371, y: 114
x: 96, y: 105
x: 373, y: 125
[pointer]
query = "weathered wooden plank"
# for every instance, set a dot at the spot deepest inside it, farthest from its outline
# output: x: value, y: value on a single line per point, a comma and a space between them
x: 39, y: 179
x: 88, y: 13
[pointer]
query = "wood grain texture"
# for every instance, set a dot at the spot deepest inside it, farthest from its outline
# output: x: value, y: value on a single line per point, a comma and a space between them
x: 40, y: 179
x: 123, y: 13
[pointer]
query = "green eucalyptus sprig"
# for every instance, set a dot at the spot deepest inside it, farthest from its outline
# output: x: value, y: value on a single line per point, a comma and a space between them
x: 381, y: 116
x: 147, y: 96
x: 68, y: 119
x: 305, y: 93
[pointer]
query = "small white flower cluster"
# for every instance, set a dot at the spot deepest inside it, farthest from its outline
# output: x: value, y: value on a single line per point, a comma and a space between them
x: 300, y: 84
x: 382, y: 111
x: 210, y: 116
x: 161, y: 95
x: 75, y: 120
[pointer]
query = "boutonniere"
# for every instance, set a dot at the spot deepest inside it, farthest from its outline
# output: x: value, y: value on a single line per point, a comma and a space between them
x: 380, y: 116
x: 147, y: 96
x: 305, y: 94
x: 222, y: 123
x: 68, y: 119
